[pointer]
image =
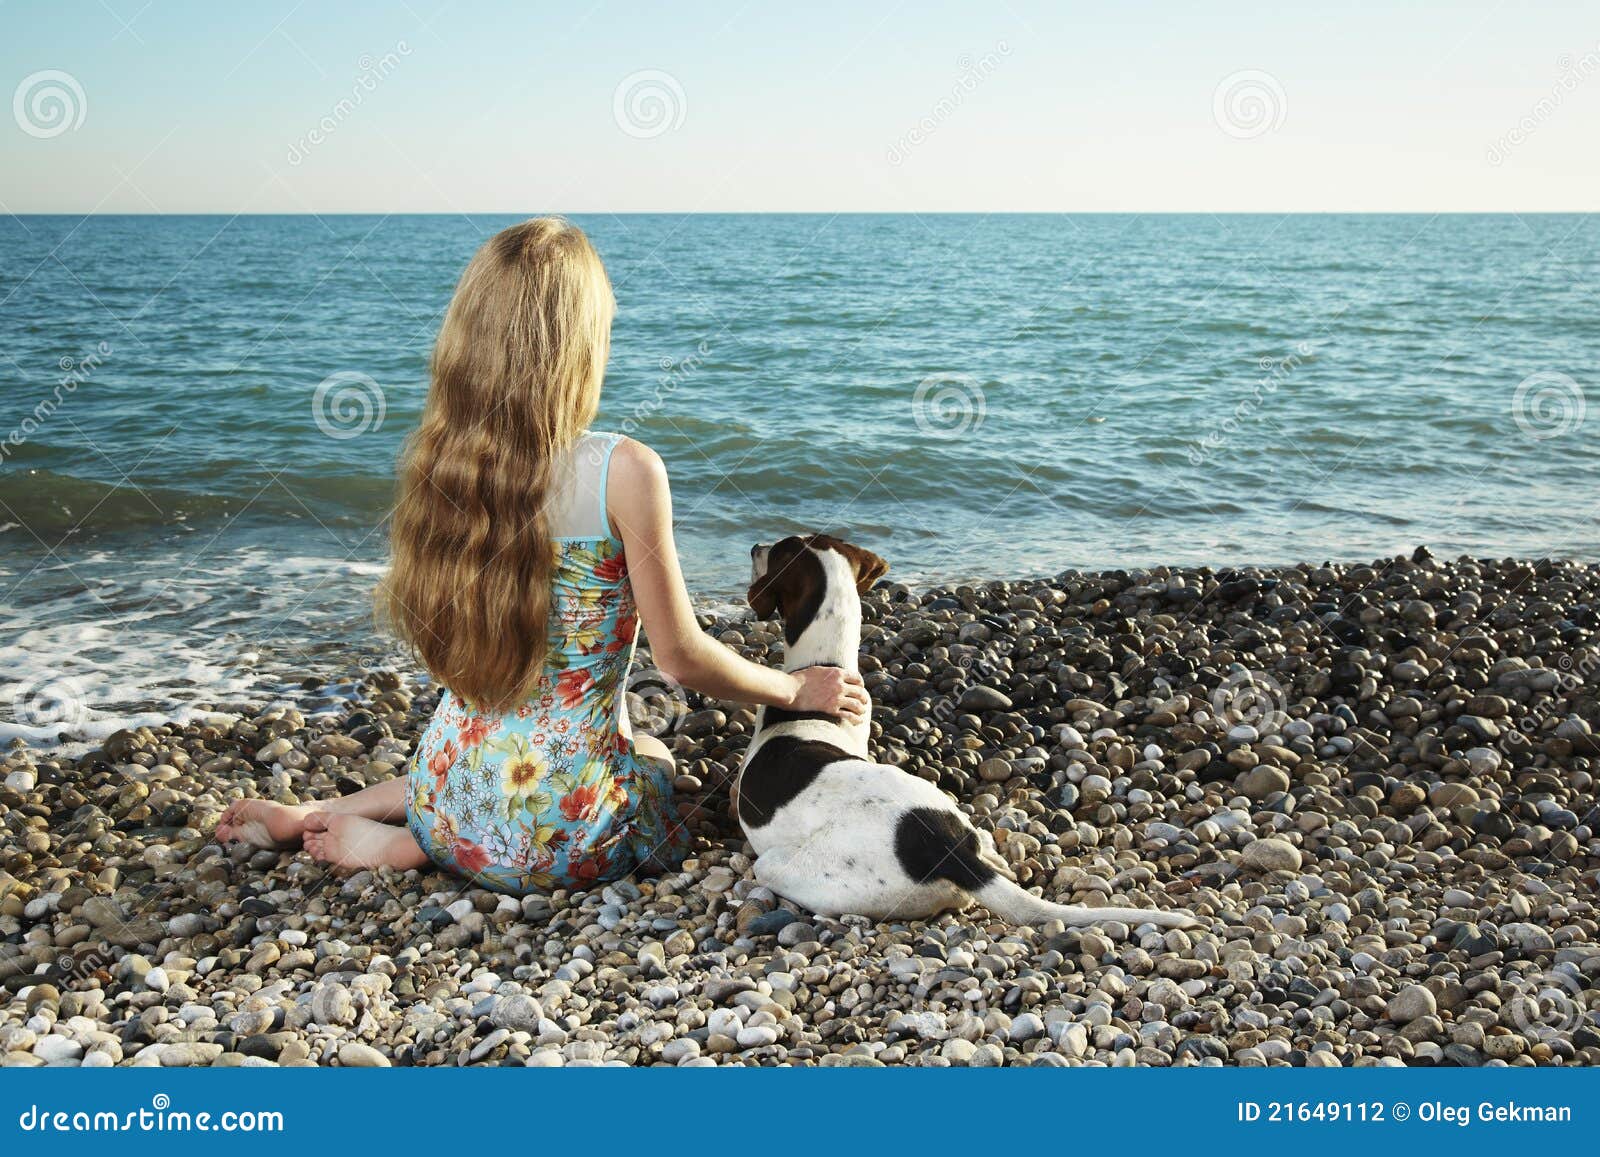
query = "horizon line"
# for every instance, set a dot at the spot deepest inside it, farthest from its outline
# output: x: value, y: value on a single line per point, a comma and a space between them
x: 826, y: 213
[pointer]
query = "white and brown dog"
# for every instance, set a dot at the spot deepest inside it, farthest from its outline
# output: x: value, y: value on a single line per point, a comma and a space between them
x: 836, y: 832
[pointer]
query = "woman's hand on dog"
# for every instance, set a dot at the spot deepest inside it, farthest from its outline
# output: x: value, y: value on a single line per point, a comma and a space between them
x: 831, y: 689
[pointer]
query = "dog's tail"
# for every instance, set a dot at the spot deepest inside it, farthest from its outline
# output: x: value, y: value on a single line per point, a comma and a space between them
x: 1005, y: 899
x: 934, y: 844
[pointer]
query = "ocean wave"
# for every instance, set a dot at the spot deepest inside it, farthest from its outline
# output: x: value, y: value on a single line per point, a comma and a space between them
x: 1378, y: 514
x: 51, y: 504
x: 116, y: 637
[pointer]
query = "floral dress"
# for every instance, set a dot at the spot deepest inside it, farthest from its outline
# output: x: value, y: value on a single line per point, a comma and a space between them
x: 551, y: 795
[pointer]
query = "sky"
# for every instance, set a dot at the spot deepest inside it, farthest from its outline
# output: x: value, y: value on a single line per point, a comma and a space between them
x: 124, y: 106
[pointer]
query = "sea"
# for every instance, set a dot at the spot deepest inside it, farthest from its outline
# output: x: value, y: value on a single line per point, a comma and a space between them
x: 200, y: 416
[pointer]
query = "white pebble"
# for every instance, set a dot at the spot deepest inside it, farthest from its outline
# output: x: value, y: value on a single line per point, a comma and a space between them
x: 755, y: 1036
x: 54, y: 1049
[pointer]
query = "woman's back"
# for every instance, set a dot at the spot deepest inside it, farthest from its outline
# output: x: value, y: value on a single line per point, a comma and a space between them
x: 551, y: 793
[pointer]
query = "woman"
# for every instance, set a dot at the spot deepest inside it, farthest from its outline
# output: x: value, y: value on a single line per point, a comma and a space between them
x: 526, y: 552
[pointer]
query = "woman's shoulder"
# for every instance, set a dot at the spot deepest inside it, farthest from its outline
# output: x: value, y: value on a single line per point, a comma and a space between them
x: 636, y: 483
x: 633, y: 460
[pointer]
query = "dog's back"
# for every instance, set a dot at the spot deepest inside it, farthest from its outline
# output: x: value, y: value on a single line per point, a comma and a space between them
x: 834, y: 831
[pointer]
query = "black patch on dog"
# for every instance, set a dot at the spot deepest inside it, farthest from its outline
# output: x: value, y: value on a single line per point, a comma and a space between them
x: 793, y: 586
x: 775, y: 715
x: 935, y: 845
x: 782, y: 769
x: 808, y: 584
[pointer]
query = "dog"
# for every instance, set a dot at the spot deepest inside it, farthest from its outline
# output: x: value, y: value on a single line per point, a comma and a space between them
x: 832, y: 830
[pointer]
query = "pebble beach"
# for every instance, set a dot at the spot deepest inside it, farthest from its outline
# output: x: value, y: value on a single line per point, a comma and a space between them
x: 1374, y: 785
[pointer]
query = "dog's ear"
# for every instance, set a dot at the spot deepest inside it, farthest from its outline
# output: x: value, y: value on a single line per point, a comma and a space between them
x: 869, y: 567
x: 763, y: 596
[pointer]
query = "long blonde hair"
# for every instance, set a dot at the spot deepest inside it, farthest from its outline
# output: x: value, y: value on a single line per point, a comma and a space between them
x: 516, y: 377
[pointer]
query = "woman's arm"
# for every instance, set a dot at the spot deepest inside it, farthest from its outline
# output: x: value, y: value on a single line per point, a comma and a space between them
x: 639, y: 504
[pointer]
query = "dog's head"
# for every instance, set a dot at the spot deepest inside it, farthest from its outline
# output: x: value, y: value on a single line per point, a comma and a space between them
x: 792, y: 577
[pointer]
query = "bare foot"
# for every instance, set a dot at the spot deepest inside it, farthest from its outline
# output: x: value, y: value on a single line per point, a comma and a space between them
x: 262, y: 823
x: 347, y: 841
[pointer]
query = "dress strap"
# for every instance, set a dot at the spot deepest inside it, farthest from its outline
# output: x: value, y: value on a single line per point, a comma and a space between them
x: 577, y: 505
x: 605, y: 477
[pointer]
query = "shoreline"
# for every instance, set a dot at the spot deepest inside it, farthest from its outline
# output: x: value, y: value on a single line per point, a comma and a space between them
x: 79, y: 680
x: 1374, y: 782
